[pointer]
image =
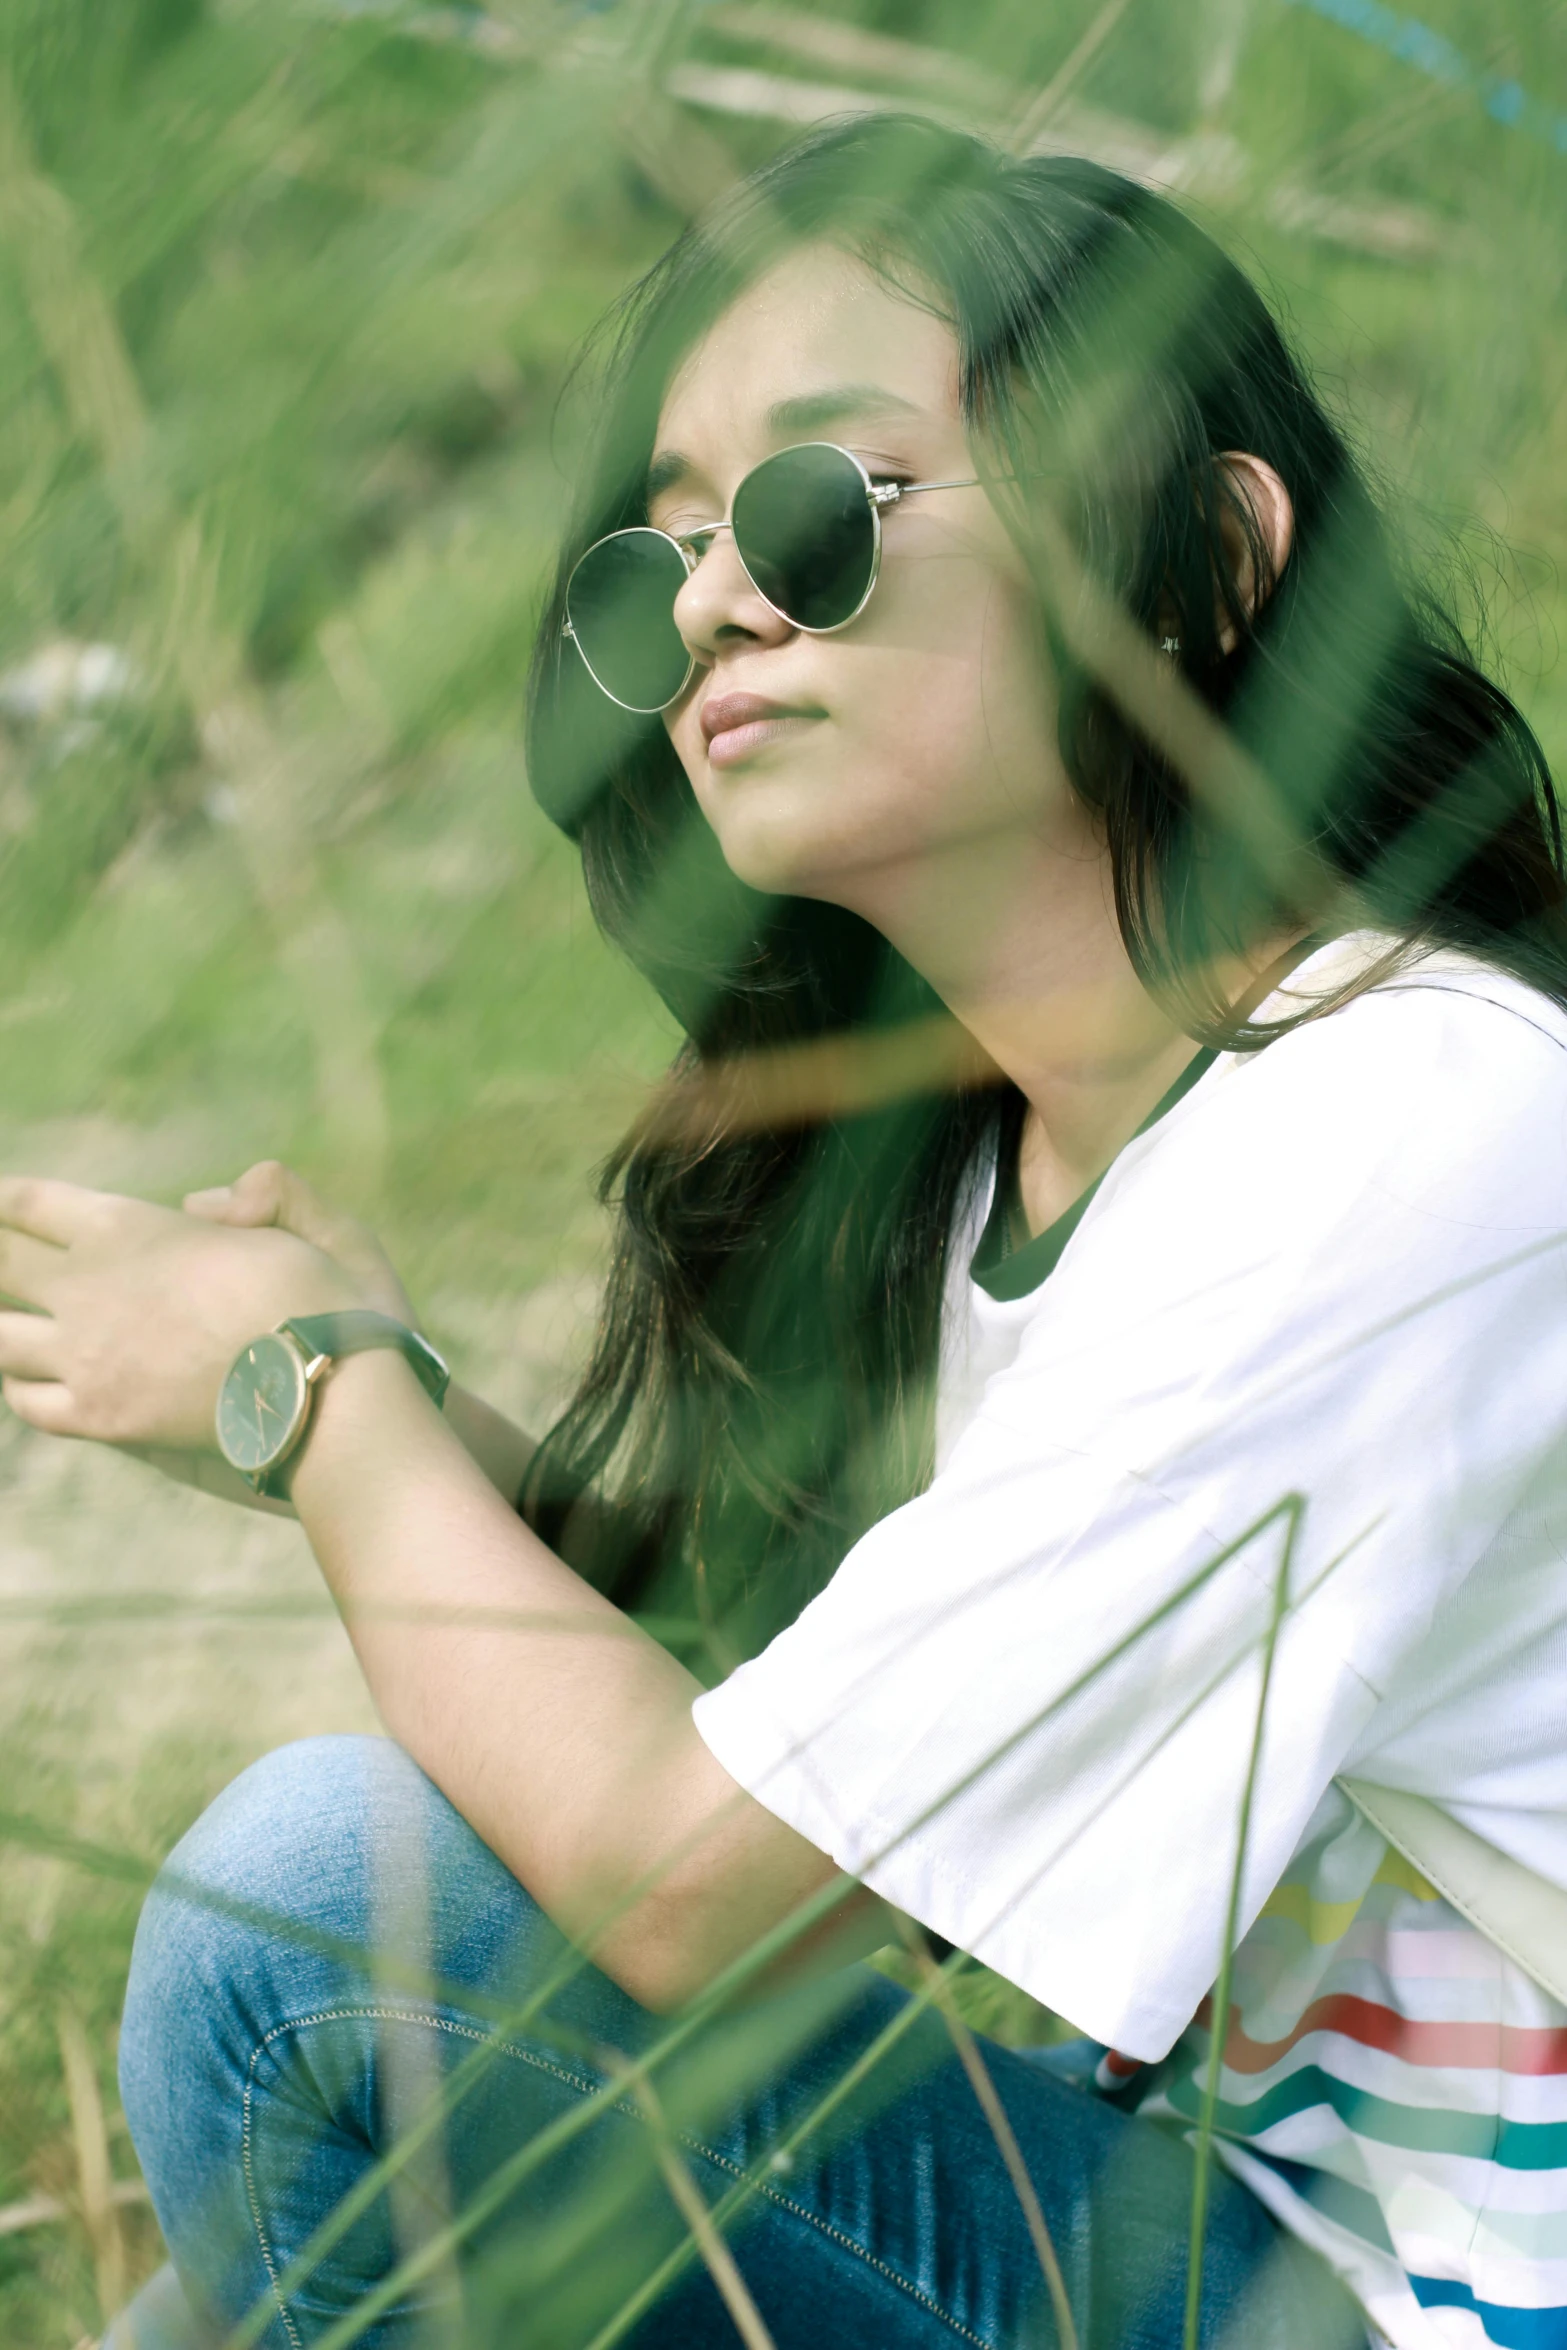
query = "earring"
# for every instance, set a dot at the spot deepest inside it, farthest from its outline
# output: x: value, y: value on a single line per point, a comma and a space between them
x: 1169, y: 644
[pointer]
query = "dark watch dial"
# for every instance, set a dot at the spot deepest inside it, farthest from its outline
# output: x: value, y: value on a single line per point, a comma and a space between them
x: 262, y: 1405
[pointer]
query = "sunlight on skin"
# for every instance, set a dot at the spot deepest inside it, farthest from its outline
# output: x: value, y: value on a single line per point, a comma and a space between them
x: 913, y: 774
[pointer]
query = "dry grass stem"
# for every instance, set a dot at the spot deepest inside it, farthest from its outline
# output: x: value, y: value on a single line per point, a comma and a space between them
x: 1038, y: 114
x: 42, y: 2211
x: 100, y: 2212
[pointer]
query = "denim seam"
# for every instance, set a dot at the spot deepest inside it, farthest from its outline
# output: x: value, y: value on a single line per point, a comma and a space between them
x: 825, y: 2227
x: 396, y: 2015
x: 390, y: 2015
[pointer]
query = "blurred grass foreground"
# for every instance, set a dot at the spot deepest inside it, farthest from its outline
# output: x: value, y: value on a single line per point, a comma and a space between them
x: 287, y: 293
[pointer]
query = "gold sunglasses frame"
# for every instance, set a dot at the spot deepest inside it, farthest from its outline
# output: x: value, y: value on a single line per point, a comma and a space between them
x: 878, y: 496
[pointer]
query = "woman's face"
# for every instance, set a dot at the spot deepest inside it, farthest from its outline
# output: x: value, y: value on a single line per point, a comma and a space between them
x: 845, y: 767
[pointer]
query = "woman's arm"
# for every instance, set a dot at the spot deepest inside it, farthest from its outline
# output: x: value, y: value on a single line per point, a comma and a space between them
x: 271, y: 1196
x: 500, y: 1448
x: 555, y: 1726
x: 495, y: 1444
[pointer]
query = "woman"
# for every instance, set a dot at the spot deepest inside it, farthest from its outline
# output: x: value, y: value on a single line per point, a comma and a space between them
x: 1103, y: 1240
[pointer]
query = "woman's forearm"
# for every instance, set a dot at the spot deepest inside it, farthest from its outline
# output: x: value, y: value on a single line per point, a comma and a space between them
x: 560, y: 1731
x: 556, y: 1727
x: 501, y: 1448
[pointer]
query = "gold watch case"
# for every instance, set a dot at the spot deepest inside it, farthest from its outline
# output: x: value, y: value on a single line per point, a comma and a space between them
x: 264, y: 1404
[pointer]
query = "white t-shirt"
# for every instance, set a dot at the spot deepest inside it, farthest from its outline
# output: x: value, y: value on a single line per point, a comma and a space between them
x: 1307, y: 1346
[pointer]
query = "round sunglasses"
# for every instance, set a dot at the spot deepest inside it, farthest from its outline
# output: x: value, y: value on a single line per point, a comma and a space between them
x: 807, y: 528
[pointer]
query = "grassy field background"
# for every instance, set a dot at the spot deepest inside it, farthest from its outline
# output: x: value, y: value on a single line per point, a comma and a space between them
x: 287, y: 294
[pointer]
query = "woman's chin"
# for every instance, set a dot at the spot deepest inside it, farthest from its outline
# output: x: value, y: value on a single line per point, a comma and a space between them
x: 766, y: 842
x: 780, y: 860
x: 813, y: 836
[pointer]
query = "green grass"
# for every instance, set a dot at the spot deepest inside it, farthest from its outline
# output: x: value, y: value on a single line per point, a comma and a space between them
x: 285, y: 303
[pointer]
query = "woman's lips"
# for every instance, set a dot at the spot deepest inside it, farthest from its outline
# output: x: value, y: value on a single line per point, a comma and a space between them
x: 737, y: 726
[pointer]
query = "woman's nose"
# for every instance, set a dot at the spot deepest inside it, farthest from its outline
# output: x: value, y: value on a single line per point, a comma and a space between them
x: 719, y: 606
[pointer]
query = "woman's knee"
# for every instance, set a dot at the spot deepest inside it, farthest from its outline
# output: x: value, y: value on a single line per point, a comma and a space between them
x: 330, y: 1869
x: 283, y: 1846
x: 327, y: 1899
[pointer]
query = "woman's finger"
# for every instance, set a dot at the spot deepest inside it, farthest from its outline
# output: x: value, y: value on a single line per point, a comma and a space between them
x: 28, y: 1268
x: 48, y: 1210
x: 272, y: 1194
x: 29, y: 1346
x: 44, y: 1404
x: 269, y: 1193
x: 252, y: 1199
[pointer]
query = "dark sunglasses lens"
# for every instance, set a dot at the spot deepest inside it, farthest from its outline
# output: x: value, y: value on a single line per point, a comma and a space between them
x: 621, y: 606
x: 805, y: 532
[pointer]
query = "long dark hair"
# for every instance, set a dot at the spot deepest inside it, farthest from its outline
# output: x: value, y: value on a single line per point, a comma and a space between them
x: 761, y: 1386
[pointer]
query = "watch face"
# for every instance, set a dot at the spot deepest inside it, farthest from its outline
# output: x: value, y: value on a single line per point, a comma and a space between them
x: 262, y: 1405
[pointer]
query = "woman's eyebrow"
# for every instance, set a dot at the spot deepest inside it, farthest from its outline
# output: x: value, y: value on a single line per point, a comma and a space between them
x: 668, y: 468
x: 814, y: 409
x: 808, y: 413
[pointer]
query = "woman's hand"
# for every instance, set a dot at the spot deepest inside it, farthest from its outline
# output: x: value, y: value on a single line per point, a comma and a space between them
x: 132, y: 1314
x: 270, y: 1194
x: 273, y: 1195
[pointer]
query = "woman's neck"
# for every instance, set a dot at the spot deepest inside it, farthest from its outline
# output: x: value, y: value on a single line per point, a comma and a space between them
x: 1071, y: 1135
x: 1021, y: 943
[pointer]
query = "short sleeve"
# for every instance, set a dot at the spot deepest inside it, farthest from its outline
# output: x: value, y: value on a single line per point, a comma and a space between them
x: 1300, y: 1361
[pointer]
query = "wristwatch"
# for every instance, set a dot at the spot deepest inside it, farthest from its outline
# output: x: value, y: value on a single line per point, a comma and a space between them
x: 264, y: 1404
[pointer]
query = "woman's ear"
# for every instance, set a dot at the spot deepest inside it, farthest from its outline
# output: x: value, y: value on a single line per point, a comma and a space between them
x: 1258, y: 489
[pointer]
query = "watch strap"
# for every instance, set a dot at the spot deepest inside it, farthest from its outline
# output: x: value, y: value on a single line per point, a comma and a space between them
x: 357, y: 1332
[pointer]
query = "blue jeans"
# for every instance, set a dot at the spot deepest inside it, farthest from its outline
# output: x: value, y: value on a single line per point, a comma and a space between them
x: 334, y: 1970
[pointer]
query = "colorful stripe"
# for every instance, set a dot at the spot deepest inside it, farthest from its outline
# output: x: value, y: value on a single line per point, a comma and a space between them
x: 1476, y: 2137
x: 1323, y: 1922
x: 1394, y: 2023
x: 1491, y: 2047
x: 1511, y: 2328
